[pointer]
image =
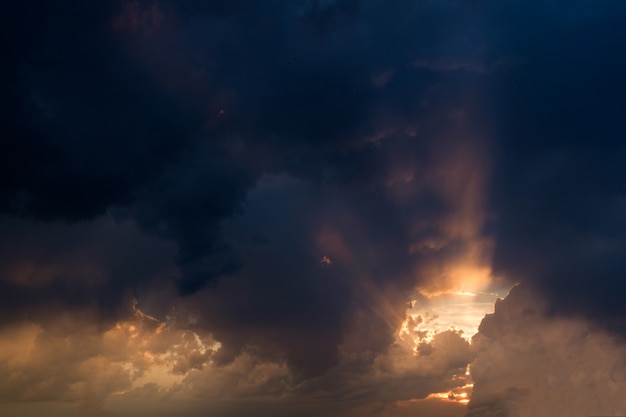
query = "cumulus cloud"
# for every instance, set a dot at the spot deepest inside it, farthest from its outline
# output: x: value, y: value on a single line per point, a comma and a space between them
x: 141, y: 365
x: 530, y: 363
x: 75, y: 360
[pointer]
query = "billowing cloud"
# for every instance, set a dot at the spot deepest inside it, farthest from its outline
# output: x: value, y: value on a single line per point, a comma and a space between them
x: 235, y: 200
x: 142, y: 365
x: 530, y: 363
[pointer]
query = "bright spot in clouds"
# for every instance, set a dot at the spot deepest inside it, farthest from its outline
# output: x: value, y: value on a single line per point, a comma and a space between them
x: 461, y: 311
x: 457, y: 310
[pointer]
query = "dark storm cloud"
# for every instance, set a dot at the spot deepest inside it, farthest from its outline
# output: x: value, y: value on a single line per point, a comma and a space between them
x: 87, y: 268
x: 287, y: 296
x: 559, y: 183
x: 87, y: 128
x: 285, y: 173
x: 82, y: 127
x: 168, y: 115
x: 261, y: 137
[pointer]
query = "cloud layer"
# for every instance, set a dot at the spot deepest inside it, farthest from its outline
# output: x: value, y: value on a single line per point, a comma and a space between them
x: 282, y: 177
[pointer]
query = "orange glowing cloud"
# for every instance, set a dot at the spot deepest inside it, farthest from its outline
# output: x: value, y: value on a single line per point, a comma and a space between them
x: 458, y: 256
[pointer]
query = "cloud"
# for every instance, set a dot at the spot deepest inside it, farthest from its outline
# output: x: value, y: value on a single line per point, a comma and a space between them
x: 207, y: 156
x: 73, y: 359
x: 141, y: 365
x: 282, y: 176
x: 530, y: 363
x: 558, y: 183
x: 168, y: 115
x: 87, y: 268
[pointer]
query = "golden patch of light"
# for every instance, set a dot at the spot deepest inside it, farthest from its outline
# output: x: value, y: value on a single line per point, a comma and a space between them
x: 459, y: 395
x: 145, y: 337
x: 454, y: 268
x: 457, y: 279
x: 454, y: 310
x: 460, y: 180
x: 465, y: 293
x: 459, y: 310
x: 201, y: 346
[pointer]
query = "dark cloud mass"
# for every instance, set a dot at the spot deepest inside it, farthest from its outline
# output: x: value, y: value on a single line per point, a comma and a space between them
x: 560, y: 194
x: 278, y: 178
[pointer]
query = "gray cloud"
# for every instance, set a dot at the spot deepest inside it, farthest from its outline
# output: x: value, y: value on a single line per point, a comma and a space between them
x: 529, y: 363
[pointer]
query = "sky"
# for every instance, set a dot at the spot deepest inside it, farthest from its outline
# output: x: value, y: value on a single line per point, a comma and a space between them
x: 313, y: 208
